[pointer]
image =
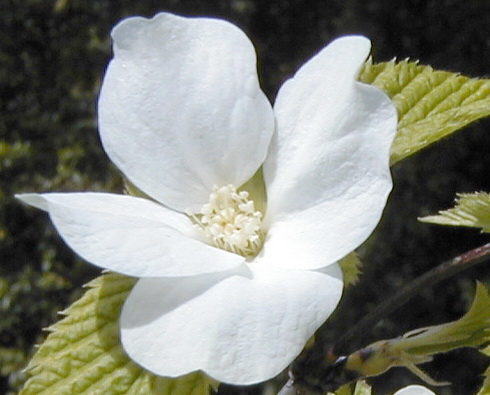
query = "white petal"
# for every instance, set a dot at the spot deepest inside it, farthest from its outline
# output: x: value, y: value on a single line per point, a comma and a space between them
x: 239, y: 329
x: 327, y: 174
x: 181, y: 109
x: 414, y: 390
x: 130, y: 235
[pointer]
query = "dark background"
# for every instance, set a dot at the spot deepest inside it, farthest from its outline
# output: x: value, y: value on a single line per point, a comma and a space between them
x: 52, y: 58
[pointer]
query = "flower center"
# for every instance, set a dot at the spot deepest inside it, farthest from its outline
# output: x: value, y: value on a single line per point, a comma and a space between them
x: 231, y: 222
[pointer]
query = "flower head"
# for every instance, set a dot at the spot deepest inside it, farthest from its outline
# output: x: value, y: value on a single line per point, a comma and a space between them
x: 236, y: 271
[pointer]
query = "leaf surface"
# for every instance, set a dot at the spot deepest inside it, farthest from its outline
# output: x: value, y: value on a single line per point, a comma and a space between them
x: 351, y: 268
x: 431, y: 104
x: 82, y: 354
x: 471, y: 209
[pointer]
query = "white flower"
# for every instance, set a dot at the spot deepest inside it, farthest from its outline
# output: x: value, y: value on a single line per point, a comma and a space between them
x: 414, y: 390
x: 182, y: 115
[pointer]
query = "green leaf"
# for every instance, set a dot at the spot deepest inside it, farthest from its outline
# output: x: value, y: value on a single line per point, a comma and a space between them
x: 431, y: 104
x: 472, y: 209
x: 346, y: 389
x: 83, y: 355
x: 471, y: 330
x: 485, y: 389
x: 351, y: 268
x: 362, y: 388
x: 192, y: 384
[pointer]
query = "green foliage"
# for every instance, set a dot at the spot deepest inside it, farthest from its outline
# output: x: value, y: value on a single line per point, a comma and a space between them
x: 485, y: 389
x: 192, y: 384
x: 431, y: 104
x: 82, y: 353
x: 360, y: 388
x: 472, y: 210
x: 471, y: 330
x: 351, y: 268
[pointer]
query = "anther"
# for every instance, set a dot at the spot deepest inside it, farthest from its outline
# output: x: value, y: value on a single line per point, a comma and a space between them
x: 231, y: 222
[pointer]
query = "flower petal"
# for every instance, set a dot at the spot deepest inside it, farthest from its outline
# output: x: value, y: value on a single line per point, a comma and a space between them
x: 181, y: 108
x: 130, y: 235
x: 414, y: 390
x: 327, y: 173
x: 242, y: 328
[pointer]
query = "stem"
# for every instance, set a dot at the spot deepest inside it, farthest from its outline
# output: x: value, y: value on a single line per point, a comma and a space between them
x: 430, y: 278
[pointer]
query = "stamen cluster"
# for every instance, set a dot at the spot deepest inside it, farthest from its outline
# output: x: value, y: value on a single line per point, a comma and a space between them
x: 231, y: 222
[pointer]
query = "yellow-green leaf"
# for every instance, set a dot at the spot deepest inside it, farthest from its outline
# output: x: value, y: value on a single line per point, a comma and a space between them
x: 82, y: 354
x: 431, y: 104
x: 191, y: 384
x: 362, y: 388
x: 346, y: 389
x: 351, y: 268
x: 485, y: 389
x: 471, y: 330
x: 472, y: 209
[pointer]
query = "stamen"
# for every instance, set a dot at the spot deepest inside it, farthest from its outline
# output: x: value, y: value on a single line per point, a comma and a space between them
x: 231, y: 222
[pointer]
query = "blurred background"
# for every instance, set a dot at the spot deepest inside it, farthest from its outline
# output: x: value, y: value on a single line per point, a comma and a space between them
x: 52, y: 58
